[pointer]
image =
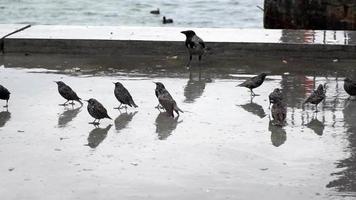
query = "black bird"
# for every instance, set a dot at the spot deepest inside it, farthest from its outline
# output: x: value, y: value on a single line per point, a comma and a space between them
x: 97, y: 111
x: 123, y: 96
x: 254, y: 82
x: 316, y: 97
x: 155, y: 12
x: 350, y: 87
x: 275, y: 96
x: 4, y: 95
x: 279, y: 112
x: 167, y: 21
x: 194, y: 44
x: 66, y: 92
x: 166, y: 100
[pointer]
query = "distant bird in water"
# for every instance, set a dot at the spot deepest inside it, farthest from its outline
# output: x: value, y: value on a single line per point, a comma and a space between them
x: 66, y: 92
x: 166, y: 100
x: 123, y: 96
x: 275, y: 96
x: 194, y: 44
x: 4, y: 95
x: 97, y: 111
x: 155, y: 12
x: 254, y: 82
x: 350, y: 87
x: 316, y: 97
x: 279, y: 112
x: 167, y: 21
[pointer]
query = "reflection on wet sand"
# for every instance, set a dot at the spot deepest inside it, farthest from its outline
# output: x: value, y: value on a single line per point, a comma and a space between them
x: 254, y: 108
x: 165, y: 125
x: 317, y: 126
x: 345, y: 178
x: 4, y: 117
x: 278, y: 134
x: 123, y: 120
x: 67, y: 116
x: 195, y: 87
x: 97, y: 135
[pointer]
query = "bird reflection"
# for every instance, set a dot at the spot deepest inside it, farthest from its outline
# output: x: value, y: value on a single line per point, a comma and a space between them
x: 97, y: 135
x: 67, y: 116
x: 195, y: 87
x: 123, y: 120
x: 278, y: 134
x: 317, y: 126
x: 4, y: 117
x: 165, y: 125
x: 254, y: 108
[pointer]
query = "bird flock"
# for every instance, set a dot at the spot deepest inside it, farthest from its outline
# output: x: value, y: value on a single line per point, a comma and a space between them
x: 195, y: 46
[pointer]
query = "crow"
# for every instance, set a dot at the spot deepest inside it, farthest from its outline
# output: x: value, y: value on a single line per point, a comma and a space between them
x: 123, y: 96
x: 254, y: 82
x: 66, y: 92
x: 166, y: 100
x: 194, y: 44
x: 350, y: 87
x: 279, y: 112
x: 96, y: 110
x: 316, y: 97
x: 275, y: 96
x: 4, y: 95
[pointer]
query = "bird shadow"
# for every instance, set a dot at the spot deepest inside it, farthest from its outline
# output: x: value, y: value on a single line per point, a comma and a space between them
x: 278, y: 134
x: 316, y: 125
x: 67, y: 116
x: 165, y: 125
x: 123, y: 120
x: 254, y: 108
x: 97, y: 135
x: 195, y: 87
x: 4, y: 117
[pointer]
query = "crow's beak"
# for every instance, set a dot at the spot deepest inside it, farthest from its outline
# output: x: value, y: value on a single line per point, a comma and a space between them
x: 183, y: 32
x: 114, y: 82
x: 154, y: 82
x: 55, y: 81
x: 86, y: 100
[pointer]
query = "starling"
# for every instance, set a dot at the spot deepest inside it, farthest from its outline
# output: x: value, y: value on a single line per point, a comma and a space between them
x: 316, y: 97
x: 123, y: 96
x: 166, y: 21
x: 4, y: 95
x: 97, y: 111
x: 350, y: 87
x: 275, y: 96
x: 279, y: 112
x: 254, y: 82
x: 66, y: 92
x: 166, y: 100
x: 194, y: 44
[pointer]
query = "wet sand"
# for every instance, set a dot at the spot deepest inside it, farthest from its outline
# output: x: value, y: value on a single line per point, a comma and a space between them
x: 222, y: 147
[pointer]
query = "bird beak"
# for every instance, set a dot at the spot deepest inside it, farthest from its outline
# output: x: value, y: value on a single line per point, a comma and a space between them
x: 154, y: 82
x: 55, y: 81
x: 114, y: 82
x: 86, y: 100
x: 183, y: 32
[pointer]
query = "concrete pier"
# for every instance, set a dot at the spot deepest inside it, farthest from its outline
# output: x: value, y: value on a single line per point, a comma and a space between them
x: 148, y: 41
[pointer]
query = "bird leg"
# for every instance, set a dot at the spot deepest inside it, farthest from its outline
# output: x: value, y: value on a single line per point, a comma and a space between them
x: 93, y: 122
x: 254, y: 94
x: 64, y: 104
x: 316, y: 108
x: 118, y: 107
x: 190, y: 59
x: 7, y: 104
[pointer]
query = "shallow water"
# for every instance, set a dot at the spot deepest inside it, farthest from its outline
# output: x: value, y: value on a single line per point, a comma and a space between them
x: 222, y: 147
x: 202, y: 13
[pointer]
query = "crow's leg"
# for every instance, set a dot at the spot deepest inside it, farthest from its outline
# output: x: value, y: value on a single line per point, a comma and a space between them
x: 316, y: 108
x: 118, y: 107
x: 190, y: 59
x: 64, y: 104
x: 93, y: 122
x: 7, y: 104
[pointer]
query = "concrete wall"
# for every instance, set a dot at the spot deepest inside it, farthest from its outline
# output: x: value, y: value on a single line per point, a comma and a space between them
x: 154, y: 41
